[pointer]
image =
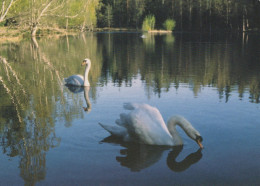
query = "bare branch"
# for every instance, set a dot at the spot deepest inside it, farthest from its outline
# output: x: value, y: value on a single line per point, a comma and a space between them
x: 55, y: 15
x: 44, y: 10
x: 57, y: 7
x: 3, y: 13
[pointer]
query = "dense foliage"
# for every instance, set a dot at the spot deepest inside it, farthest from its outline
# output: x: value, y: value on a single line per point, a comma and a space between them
x: 169, y: 24
x: 149, y: 22
x: 201, y: 15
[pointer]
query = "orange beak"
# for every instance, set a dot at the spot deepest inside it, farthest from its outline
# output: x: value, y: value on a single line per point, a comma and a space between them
x: 199, y: 143
x: 83, y: 63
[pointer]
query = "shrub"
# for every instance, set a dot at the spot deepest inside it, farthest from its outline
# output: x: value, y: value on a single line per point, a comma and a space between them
x: 148, y: 23
x: 169, y: 24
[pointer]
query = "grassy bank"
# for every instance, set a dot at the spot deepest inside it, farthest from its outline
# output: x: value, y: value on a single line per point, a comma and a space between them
x: 10, y: 34
x: 15, y: 34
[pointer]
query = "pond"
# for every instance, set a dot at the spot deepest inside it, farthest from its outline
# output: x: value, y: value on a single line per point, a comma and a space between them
x: 48, y: 138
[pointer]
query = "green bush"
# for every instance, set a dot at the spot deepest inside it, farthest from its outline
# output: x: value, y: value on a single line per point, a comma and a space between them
x: 148, y: 23
x: 169, y: 24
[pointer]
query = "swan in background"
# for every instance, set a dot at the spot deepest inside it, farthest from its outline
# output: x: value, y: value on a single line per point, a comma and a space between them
x: 144, y: 124
x: 79, y: 80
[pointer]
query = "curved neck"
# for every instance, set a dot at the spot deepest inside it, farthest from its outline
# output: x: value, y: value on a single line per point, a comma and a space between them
x: 183, y: 123
x: 86, y: 83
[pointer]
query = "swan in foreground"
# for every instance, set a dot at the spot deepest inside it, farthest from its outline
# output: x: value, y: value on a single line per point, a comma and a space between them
x: 144, y: 124
x: 79, y: 80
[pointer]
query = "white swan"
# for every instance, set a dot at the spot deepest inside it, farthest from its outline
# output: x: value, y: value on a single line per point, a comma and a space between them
x: 79, y: 80
x: 144, y: 124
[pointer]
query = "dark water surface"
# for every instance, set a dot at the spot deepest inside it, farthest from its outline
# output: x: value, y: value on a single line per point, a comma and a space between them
x: 48, y: 139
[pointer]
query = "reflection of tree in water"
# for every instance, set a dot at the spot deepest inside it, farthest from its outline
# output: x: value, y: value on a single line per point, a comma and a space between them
x: 29, y: 131
x: 33, y: 98
x: 139, y: 156
x: 38, y: 141
x: 165, y: 61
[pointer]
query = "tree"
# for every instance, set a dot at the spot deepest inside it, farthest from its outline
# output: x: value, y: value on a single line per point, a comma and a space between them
x: 38, y: 11
x: 34, y: 13
x: 4, y: 10
x: 109, y: 15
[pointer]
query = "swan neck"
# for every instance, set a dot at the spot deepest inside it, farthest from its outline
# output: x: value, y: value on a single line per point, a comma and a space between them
x: 184, y: 124
x: 171, y: 124
x: 86, y: 82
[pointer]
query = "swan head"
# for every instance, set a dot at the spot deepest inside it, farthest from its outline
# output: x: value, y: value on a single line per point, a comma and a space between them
x: 195, y: 135
x: 186, y: 126
x: 85, y: 62
x: 199, y: 139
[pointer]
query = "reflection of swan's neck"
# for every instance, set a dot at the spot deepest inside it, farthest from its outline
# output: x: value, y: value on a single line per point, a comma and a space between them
x: 86, y: 82
x: 86, y: 90
x: 184, y: 124
x: 185, y: 163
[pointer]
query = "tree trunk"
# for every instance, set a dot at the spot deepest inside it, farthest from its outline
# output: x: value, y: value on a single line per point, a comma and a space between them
x: 34, y: 30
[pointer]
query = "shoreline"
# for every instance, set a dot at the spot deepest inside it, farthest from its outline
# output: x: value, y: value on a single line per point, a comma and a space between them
x: 15, y: 34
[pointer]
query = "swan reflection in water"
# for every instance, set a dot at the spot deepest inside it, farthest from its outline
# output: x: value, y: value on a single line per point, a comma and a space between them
x: 140, y: 156
x: 79, y: 89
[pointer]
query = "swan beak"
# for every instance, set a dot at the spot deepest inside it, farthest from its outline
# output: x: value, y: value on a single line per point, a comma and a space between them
x: 83, y: 63
x: 199, y: 143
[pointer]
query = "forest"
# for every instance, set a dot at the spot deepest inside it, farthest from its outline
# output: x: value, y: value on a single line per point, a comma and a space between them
x: 189, y: 15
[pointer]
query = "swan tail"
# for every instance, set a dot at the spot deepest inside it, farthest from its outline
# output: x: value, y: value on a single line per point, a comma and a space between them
x: 130, y: 106
x: 114, y: 130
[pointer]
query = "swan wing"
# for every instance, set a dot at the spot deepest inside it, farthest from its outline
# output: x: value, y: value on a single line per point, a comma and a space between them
x: 115, y: 130
x: 145, y: 124
x: 75, y: 80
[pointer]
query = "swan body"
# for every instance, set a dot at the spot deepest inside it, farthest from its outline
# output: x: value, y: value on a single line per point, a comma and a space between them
x: 79, y: 80
x: 144, y: 124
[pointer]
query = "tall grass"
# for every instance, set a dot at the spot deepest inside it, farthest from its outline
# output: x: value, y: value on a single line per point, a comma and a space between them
x: 148, y: 23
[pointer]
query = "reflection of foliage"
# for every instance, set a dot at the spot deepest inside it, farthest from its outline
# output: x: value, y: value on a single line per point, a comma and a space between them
x: 167, y: 64
x: 32, y: 97
x: 32, y: 133
x: 255, y: 90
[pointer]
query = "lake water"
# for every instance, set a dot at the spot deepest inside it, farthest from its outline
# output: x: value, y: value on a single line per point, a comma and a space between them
x: 47, y: 138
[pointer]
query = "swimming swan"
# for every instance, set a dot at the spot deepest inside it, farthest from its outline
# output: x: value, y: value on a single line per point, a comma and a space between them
x: 144, y: 124
x: 79, y: 80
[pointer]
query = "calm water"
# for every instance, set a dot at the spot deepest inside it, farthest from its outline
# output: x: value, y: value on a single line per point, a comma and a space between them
x: 48, y: 139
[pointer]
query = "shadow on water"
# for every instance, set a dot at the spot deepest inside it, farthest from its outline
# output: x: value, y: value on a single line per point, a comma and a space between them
x: 137, y: 157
